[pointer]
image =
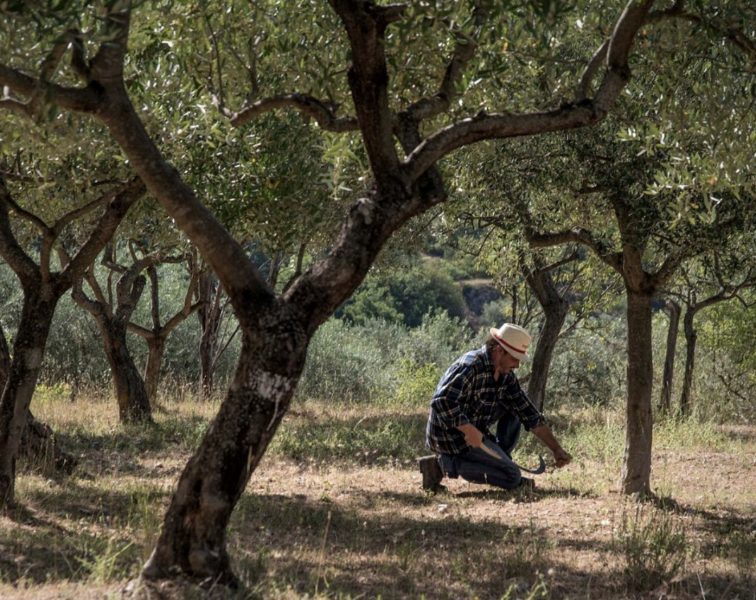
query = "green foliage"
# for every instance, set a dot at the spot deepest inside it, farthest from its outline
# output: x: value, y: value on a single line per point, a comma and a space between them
x: 438, y: 340
x: 357, y: 441
x: 423, y: 289
x: 381, y: 361
x: 727, y: 362
x: 589, y: 365
x: 654, y: 546
x: 347, y: 363
x: 372, y: 300
x: 417, y: 383
x: 105, y: 560
x: 406, y: 294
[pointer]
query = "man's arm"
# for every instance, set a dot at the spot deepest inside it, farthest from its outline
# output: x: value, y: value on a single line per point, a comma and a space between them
x: 473, y: 435
x: 543, y: 433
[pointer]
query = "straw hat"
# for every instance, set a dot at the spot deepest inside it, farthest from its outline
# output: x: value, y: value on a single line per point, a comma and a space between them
x: 513, y: 338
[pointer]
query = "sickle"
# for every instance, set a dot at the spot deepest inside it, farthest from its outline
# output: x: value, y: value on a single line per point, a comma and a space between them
x: 495, y: 452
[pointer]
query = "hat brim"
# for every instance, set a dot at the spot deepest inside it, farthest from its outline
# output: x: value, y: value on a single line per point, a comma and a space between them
x: 511, y: 350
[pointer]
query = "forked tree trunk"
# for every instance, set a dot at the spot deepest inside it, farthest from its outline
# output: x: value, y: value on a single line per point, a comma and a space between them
x: 193, y: 538
x: 665, y: 402
x: 691, y: 338
x: 636, y: 467
x: 130, y: 392
x: 555, y: 313
x: 28, y: 350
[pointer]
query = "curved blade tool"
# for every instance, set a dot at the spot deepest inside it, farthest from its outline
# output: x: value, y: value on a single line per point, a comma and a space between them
x: 493, y: 450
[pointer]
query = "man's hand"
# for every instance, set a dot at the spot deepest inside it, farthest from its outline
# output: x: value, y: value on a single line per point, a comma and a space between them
x: 473, y: 435
x: 543, y: 433
x: 561, y: 458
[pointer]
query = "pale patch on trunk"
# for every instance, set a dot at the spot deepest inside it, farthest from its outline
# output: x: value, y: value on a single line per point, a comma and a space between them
x: 273, y: 385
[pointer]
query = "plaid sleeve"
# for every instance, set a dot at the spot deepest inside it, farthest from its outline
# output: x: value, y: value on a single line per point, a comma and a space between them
x: 529, y: 415
x: 445, y: 402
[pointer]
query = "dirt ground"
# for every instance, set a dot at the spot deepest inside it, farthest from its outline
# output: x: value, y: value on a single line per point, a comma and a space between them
x: 306, y: 530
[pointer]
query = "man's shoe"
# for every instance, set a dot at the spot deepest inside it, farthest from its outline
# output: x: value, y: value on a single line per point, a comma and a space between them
x: 432, y: 473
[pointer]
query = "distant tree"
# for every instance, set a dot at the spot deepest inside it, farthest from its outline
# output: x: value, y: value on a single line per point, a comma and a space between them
x: 704, y: 287
x: 42, y: 288
x: 156, y: 336
x: 665, y: 401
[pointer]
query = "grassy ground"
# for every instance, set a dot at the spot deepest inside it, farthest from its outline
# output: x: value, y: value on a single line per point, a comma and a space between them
x: 336, y: 511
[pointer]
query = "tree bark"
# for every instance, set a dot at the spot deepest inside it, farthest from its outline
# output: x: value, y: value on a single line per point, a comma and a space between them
x: 131, y: 395
x: 544, y: 352
x: 5, y: 359
x: 28, y: 350
x: 691, y: 338
x: 555, y: 309
x: 209, y: 315
x: 193, y: 538
x: 665, y: 402
x: 636, y: 467
x: 155, y: 351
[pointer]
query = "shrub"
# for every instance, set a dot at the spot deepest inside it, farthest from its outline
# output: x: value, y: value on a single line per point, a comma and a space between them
x: 438, y: 340
x: 350, y: 363
x: 654, y: 547
x: 589, y: 366
x: 417, y: 383
x: 423, y: 289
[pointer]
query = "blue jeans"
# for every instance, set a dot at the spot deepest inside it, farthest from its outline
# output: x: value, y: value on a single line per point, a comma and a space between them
x: 477, y: 466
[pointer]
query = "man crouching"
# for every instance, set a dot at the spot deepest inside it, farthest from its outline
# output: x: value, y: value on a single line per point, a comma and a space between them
x: 478, y: 390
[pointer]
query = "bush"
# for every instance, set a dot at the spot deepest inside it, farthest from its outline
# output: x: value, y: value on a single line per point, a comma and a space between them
x: 589, y: 366
x: 417, y: 383
x: 351, y: 362
x: 425, y: 288
x: 654, y: 547
x: 381, y: 360
x: 438, y: 340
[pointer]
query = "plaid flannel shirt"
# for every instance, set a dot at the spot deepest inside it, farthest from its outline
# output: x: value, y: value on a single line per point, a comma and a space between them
x: 467, y: 393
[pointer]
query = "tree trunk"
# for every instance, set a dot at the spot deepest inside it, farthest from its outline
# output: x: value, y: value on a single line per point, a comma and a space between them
x: 28, y: 350
x: 130, y: 391
x: 636, y: 468
x: 209, y: 315
x: 155, y: 351
x: 665, y: 402
x: 555, y: 313
x: 5, y: 359
x: 193, y: 537
x: 39, y: 444
x: 691, y: 337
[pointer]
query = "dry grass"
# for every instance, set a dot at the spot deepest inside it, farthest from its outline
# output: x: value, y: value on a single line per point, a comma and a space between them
x: 336, y: 511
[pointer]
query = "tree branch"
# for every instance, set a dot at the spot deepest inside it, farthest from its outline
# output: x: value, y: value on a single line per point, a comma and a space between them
x: 84, y: 100
x: 118, y: 203
x: 365, y: 24
x: 464, y: 51
x: 323, y: 113
x: 577, y: 235
x: 581, y: 113
x: 11, y: 251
